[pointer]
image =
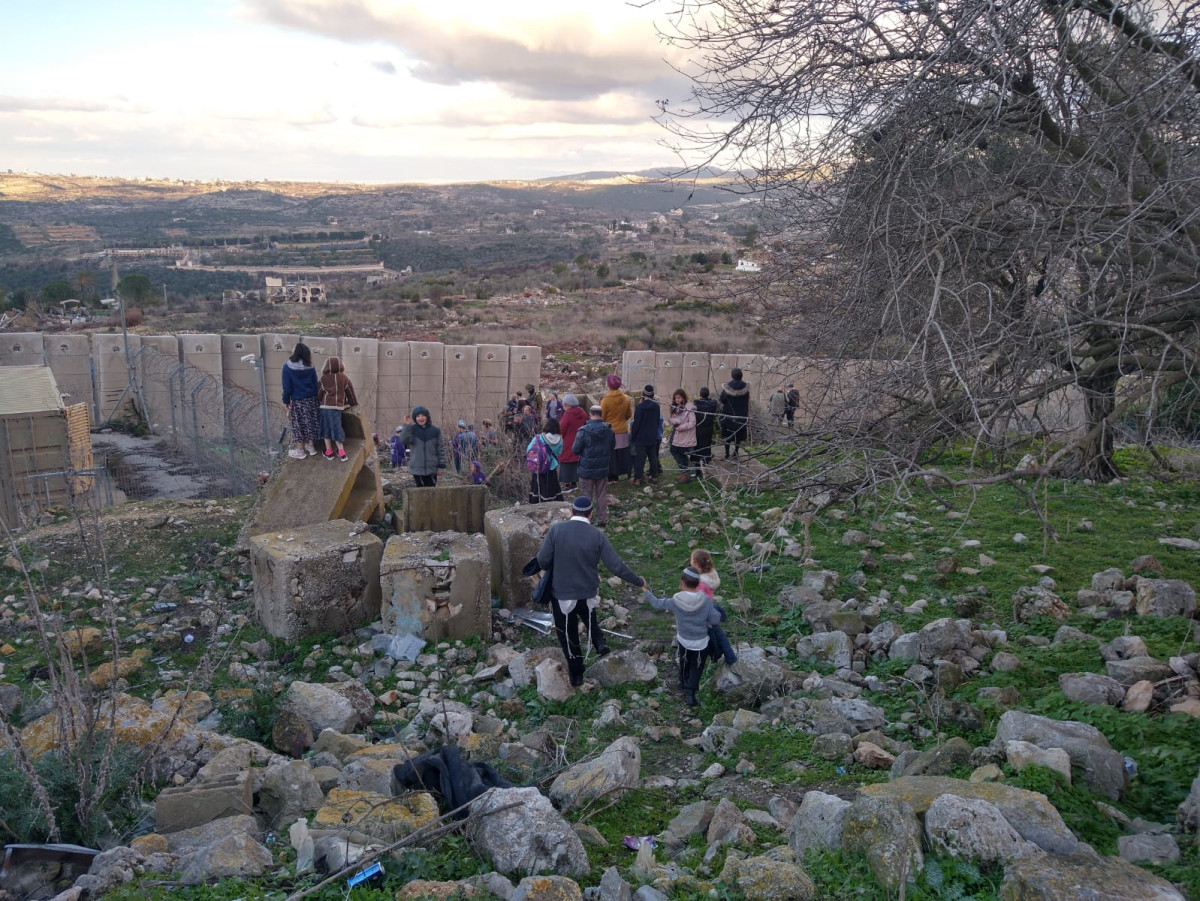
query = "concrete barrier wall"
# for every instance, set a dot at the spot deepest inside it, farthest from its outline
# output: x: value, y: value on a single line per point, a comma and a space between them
x: 276, y: 350
x: 524, y: 367
x: 426, y: 370
x: 360, y: 356
x: 158, y: 359
x: 394, y: 398
x: 110, y: 370
x: 459, y: 380
x: 491, y: 382
x: 70, y: 359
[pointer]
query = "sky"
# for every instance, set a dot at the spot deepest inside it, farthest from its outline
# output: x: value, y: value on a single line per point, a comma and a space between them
x: 333, y: 90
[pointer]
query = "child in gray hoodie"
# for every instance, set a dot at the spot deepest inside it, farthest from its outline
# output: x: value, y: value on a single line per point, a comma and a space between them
x: 694, y: 613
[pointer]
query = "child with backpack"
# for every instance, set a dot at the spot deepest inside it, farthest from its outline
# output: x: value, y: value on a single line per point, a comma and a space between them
x: 541, y: 459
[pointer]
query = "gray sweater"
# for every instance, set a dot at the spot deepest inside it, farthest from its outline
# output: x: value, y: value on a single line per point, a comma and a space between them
x: 694, y: 613
x: 576, y: 548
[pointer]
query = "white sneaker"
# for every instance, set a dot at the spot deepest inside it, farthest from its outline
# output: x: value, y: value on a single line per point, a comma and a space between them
x: 297, y: 454
x: 312, y: 451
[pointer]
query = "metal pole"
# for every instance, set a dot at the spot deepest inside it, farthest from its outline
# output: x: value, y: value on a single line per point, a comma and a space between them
x: 196, y: 415
x: 260, y: 365
x: 171, y: 392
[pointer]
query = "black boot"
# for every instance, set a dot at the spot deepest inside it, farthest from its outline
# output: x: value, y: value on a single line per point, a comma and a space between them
x: 689, y: 697
x: 596, y: 635
x: 575, y: 671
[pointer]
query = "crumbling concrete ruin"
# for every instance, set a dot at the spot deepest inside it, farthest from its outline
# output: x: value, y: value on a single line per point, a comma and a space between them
x: 514, y: 534
x: 436, y: 585
x: 317, y: 578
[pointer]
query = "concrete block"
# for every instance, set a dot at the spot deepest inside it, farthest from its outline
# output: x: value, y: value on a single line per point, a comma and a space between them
x: 436, y: 585
x: 453, y: 508
x: 316, y: 578
x: 514, y: 534
x: 176, y: 809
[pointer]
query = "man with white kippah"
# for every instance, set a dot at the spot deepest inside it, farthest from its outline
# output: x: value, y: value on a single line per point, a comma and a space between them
x: 573, y: 551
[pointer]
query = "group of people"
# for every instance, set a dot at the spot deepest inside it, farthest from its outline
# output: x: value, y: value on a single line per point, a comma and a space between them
x: 315, y: 404
x: 569, y: 558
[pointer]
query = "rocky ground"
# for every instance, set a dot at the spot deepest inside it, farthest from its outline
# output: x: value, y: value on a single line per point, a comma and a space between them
x: 925, y: 701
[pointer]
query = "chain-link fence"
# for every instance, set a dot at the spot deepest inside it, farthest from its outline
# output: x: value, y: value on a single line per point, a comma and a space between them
x: 215, y: 434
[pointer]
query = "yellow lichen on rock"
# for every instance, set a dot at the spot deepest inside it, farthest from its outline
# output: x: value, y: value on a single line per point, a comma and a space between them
x: 376, y: 815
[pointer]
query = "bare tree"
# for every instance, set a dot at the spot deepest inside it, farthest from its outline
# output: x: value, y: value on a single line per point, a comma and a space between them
x: 994, y: 206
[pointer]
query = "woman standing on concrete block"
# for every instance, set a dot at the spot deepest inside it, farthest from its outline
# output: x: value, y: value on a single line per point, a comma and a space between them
x: 300, y: 398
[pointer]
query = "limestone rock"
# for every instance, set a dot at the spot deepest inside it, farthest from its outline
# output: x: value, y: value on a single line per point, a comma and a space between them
x: 885, y: 830
x: 1103, y: 768
x: 1038, y: 600
x: 818, y: 823
x: 1141, y: 668
x: 832, y: 648
x: 289, y: 790
x: 754, y: 679
x: 941, y: 638
x: 191, y: 706
x: 290, y: 732
x: 1165, y: 597
x: 547, y: 888
x: 419, y: 889
x: 232, y: 854
x: 767, y: 879
x: 973, y: 829
x: 1048, y: 877
x: 1030, y: 813
x: 1021, y: 754
x: 384, y: 819
x: 610, y: 773
x: 1189, y: 810
x: 728, y: 826
x: 621, y: 667
x: 1148, y: 848
x: 1091, y: 688
x: 322, y: 707
x: 553, y: 683
x: 873, y: 757
x: 692, y: 819
x: 529, y: 837
x: 1139, y: 697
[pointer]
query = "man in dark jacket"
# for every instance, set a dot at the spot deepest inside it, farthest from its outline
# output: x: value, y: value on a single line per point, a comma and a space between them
x: 593, y: 444
x: 645, y: 435
x: 573, y: 551
x: 706, y: 420
x: 735, y: 412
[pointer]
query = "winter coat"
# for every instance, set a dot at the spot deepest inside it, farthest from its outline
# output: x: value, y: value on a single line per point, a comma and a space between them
x: 554, y: 447
x: 684, y: 421
x: 593, y: 445
x: 425, y: 443
x: 617, y: 410
x: 576, y: 548
x: 334, y: 390
x: 735, y: 400
x: 646, y: 428
x: 572, y: 420
x: 694, y: 613
x: 777, y: 403
x: 299, y: 382
x: 706, y: 420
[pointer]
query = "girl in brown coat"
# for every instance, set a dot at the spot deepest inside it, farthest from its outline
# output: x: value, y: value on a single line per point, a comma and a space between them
x: 335, y: 394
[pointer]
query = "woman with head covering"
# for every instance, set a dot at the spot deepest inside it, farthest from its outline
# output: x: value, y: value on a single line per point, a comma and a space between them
x: 617, y: 409
x: 572, y: 419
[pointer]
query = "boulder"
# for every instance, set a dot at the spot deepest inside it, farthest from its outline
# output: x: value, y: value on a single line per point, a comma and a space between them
x: 231, y: 855
x: 830, y: 648
x: 289, y: 790
x: 553, y: 682
x: 613, y: 887
x: 1103, y: 768
x: 621, y: 667
x: 1032, y: 601
x: 939, y: 761
x: 530, y: 837
x: 728, y: 826
x: 1139, y: 697
x: 382, y: 818
x: 322, y: 707
x: 873, y: 757
x: 818, y: 823
x: 1138, y: 669
x: 1082, y: 875
x: 199, y: 802
x: 973, y: 829
x: 1021, y: 754
x: 692, y: 819
x: 1165, y: 597
x: 610, y: 773
x: 1143, y: 848
x: 884, y: 829
x: 1091, y: 688
x: 767, y: 879
x: 942, y: 637
x: 547, y: 888
x: 1123, y: 647
x: 1030, y: 813
x: 1189, y: 810
x: 754, y: 679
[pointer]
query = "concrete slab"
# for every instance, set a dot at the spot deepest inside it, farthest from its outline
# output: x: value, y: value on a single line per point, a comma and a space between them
x: 316, y: 578
x: 514, y: 534
x: 452, y: 508
x: 436, y: 585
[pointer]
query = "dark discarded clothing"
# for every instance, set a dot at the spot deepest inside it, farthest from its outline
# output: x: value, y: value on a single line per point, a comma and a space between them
x: 445, y: 772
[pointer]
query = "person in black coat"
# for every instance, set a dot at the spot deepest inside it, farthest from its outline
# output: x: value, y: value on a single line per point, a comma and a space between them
x: 706, y: 421
x: 645, y: 436
x: 735, y: 412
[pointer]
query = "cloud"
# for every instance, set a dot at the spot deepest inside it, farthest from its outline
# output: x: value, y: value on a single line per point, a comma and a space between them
x: 300, y: 117
x: 10, y: 104
x: 548, y: 57
x: 385, y: 66
x: 610, y: 111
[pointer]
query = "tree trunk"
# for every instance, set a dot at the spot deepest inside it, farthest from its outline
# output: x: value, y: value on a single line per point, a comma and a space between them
x: 1093, y: 458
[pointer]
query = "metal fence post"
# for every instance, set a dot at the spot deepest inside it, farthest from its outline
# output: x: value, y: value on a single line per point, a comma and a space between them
x: 196, y: 414
x: 260, y: 365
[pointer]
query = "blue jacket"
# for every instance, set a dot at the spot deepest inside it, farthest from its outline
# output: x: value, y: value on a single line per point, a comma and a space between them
x: 299, y: 381
x: 593, y: 443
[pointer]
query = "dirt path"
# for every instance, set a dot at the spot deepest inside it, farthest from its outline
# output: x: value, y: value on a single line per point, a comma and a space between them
x: 144, y: 468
